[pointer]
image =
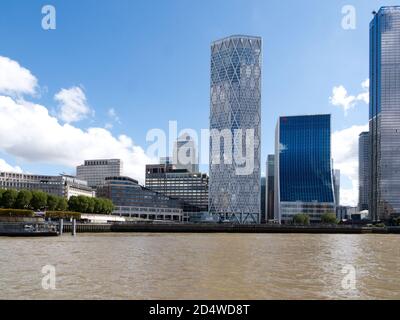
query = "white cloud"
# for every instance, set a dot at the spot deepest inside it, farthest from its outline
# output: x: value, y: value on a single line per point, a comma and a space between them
x: 5, y: 167
x: 341, y: 98
x: 73, y: 105
x: 14, y: 79
x: 345, y: 155
x: 29, y: 132
x: 113, y: 115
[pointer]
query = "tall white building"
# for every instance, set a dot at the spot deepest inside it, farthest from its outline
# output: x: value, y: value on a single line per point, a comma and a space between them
x: 235, y: 129
x: 95, y: 171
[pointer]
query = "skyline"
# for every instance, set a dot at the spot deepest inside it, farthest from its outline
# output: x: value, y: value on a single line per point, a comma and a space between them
x: 110, y: 95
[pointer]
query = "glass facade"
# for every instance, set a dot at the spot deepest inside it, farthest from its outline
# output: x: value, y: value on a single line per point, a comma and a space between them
x: 336, y: 183
x: 189, y: 187
x: 363, y: 170
x: 270, y: 210
x: 304, y: 167
x: 384, y: 117
x: 129, y: 197
x: 263, y: 199
x: 235, y: 104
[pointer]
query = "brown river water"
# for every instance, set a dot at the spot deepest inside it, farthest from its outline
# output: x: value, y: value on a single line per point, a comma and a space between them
x: 202, y: 266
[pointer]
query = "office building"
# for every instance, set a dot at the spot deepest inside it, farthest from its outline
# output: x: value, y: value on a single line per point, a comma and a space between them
x: 95, y: 171
x: 270, y: 189
x: 346, y: 213
x: 263, y: 199
x: 363, y: 170
x: 62, y: 185
x: 384, y: 115
x: 189, y: 187
x: 303, y: 166
x: 235, y: 127
x: 336, y: 184
x: 135, y: 201
x: 185, y: 154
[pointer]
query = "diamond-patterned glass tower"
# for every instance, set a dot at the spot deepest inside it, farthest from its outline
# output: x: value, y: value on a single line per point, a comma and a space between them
x: 235, y: 104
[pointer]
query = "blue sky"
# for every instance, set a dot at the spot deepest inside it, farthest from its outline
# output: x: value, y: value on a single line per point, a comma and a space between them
x: 150, y: 61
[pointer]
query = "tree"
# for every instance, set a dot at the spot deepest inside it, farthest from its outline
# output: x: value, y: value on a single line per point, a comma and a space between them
x: 108, y: 206
x: 62, y: 204
x: 83, y: 204
x: 1, y: 197
x: 23, y: 199
x: 98, y: 205
x: 8, y: 199
x: 329, y: 218
x: 73, y: 204
x: 39, y: 200
x: 79, y: 204
x: 301, y: 219
x: 91, y: 205
x: 52, y: 202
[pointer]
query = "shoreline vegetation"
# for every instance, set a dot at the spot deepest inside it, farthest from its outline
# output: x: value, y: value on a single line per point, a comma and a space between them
x: 25, y: 202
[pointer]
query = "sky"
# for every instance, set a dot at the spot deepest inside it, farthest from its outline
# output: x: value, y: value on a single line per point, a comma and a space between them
x: 111, y: 71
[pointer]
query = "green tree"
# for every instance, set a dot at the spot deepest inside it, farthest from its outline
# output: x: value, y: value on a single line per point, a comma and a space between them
x: 73, y: 204
x: 108, y: 206
x: 1, y: 197
x: 23, y: 199
x: 39, y: 200
x: 329, y: 218
x: 52, y: 202
x: 79, y: 204
x: 8, y: 199
x: 62, y: 204
x: 83, y: 203
x: 301, y: 219
x: 98, y: 205
x: 91, y: 205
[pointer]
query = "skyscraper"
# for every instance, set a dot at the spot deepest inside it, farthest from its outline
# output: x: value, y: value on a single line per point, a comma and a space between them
x: 384, y: 115
x: 270, y: 197
x: 235, y: 118
x: 336, y: 184
x: 303, y: 166
x: 185, y: 154
x: 263, y: 218
x: 363, y: 170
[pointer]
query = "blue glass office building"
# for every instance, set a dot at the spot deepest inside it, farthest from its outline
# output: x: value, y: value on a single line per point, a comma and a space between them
x: 303, y: 167
x: 384, y: 115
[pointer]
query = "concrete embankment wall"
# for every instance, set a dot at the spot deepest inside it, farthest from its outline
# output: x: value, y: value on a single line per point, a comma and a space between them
x: 88, y: 227
x: 221, y: 228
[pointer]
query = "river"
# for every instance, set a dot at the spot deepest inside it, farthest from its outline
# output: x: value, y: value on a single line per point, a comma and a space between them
x: 201, y: 266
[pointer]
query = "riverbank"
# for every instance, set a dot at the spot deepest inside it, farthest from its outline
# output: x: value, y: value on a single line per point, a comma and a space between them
x: 28, y: 228
x: 226, y: 228
x: 43, y: 229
